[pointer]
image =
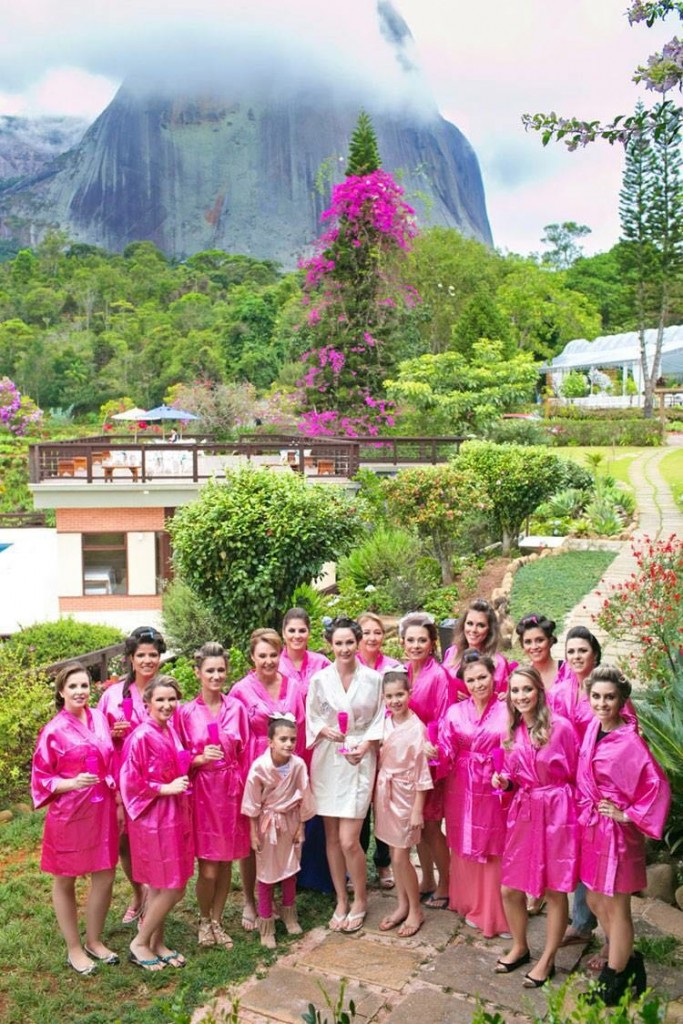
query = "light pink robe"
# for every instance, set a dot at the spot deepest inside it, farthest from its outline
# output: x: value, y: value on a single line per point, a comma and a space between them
x: 159, y: 827
x: 503, y: 669
x: 221, y: 832
x: 620, y: 768
x: 402, y: 771
x: 475, y: 814
x: 259, y: 706
x: 281, y: 803
x: 313, y: 662
x: 79, y: 836
x: 432, y: 693
x: 541, y: 844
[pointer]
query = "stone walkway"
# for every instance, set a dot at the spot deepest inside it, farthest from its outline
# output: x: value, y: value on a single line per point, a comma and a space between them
x: 658, y: 517
x: 439, y: 975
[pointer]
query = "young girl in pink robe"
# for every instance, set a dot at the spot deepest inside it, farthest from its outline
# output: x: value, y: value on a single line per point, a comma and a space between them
x: 403, y: 780
x: 432, y: 691
x: 215, y: 731
x: 125, y: 709
x: 541, y: 844
x: 623, y: 796
x: 477, y: 630
x: 154, y: 781
x: 476, y: 816
x: 264, y: 692
x: 72, y: 777
x: 277, y: 800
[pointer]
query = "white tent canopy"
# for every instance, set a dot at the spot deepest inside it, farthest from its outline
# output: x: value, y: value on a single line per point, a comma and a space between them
x: 621, y: 350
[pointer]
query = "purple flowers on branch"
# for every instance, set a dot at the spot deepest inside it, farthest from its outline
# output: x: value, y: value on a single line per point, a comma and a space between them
x: 17, y: 412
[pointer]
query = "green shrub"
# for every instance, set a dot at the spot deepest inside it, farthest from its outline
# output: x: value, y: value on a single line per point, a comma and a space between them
x: 568, y: 503
x: 573, y: 475
x: 584, y: 412
x: 621, y: 432
x: 187, y: 621
x: 48, y: 642
x: 14, y: 493
x: 517, y: 432
x: 603, y: 518
x: 391, y: 569
x: 26, y: 704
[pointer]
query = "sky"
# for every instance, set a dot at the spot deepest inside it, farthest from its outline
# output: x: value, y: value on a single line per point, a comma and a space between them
x: 484, y: 64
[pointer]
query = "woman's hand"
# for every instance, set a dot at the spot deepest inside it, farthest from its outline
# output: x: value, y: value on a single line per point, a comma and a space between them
x: 299, y: 835
x: 610, y: 810
x: 500, y: 781
x: 433, y: 753
x: 416, y: 818
x: 120, y: 729
x: 212, y: 752
x: 254, y: 836
x: 502, y: 696
x: 81, y: 781
x: 176, y: 787
x: 329, y: 733
x: 356, y: 754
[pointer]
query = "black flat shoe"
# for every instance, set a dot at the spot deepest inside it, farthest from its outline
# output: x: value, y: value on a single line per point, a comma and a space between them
x: 502, y: 967
x: 530, y: 982
x: 112, y: 958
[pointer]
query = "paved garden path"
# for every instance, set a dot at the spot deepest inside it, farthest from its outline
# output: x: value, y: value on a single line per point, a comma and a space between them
x: 658, y: 518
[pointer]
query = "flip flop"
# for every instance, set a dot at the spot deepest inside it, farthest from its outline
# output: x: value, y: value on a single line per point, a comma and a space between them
x: 146, y: 965
x: 248, y: 921
x: 406, y: 930
x: 387, y: 923
x: 577, y: 939
x: 132, y: 914
x: 387, y: 881
x: 424, y: 896
x: 336, y: 922
x: 437, y: 903
x: 174, y: 955
x: 358, y: 922
x: 110, y: 958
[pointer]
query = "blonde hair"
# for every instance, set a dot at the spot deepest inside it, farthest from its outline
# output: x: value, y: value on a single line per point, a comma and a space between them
x: 265, y: 636
x: 539, y: 733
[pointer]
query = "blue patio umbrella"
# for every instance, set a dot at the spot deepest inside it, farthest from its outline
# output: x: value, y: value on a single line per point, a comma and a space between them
x: 167, y: 412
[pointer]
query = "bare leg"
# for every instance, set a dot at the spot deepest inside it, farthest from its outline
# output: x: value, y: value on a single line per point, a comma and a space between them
x: 64, y: 903
x: 614, y: 915
x: 222, y: 890
x: 514, y: 902
x: 428, y: 882
x: 99, y: 900
x: 438, y: 847
x: 403, y: 906
x: 337, y: 866
x: 149, y: 941
x: 556, y: 923
x: 248, y: 873
x: 406, y: 877
x: 356, y: 865
x: 206, y: 887
x: 127, y: 865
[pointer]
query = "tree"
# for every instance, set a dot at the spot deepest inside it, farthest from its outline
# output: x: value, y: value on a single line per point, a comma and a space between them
x: 561, y: 241
x: 364, y: 155
x: 246, y: 545
x: 651, y: 254
x: 449, y: 393
x: 482, y: 317
x: 440, y: 503
x: 601, y: 279
x: 514, y: 479
x: 574, y: 385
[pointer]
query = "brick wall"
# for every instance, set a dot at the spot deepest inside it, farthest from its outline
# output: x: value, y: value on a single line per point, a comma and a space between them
x: 110, y: 602
x: 109, y: 520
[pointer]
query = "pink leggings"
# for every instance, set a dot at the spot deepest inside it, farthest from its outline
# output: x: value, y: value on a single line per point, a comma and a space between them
x: 265, y: 895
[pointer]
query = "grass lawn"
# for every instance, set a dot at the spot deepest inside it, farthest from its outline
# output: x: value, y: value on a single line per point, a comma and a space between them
x: 36, y: 987
x: 615, y: 460
x: 671, y: 467
x: 553, y: 585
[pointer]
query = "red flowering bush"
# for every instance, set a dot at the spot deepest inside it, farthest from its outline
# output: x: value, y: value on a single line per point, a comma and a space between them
x: 646, y: 609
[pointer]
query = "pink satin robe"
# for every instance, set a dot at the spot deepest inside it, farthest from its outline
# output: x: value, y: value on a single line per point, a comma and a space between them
x: 620, y: 768
x: 79, y: 836
x: 313, y: 662
x: 110, y: 706
x: 159, y: 827
x: 221, y: 832
x: 567, y: 699
x: 475, y: 815
x: 541, y: 843
x: 259, y: 706
x: 432, y: 693
x: 281, y: 803
x: 402, y: 771
x: 503, y: 669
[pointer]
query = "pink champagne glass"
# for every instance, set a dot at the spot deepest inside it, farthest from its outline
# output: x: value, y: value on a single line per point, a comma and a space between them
x: 215, y: 741
x: 343, y: 723
x: 184, y: 758
x: 92, y: 766
x: 433, y: 736
x: 127, y: 708
x: 498, y: 758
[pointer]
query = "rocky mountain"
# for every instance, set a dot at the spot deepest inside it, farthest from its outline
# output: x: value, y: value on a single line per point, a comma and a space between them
x: 245, y: 171
x: 28, y: 145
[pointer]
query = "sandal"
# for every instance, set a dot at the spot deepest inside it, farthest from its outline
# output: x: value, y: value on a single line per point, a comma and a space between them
x: 508, y: 966
x: 155, y: 964
x: 573, y: 938
x: 336, y: 922
x: 220, y: 935
x: 249, y: 919
x: 437, y: 903
x: 132, y: 913
x: 358, y: 920
x: 386, y: 878
x: 407, y: 930
x: 174, y: 959
x: 206, y: 935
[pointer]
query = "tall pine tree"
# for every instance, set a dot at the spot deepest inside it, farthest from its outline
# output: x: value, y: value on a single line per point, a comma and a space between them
x: 364, y: 155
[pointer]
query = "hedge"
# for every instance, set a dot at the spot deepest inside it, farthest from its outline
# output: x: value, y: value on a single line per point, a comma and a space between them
x: 620, y: 432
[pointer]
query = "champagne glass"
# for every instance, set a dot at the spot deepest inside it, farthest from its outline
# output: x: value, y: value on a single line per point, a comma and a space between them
x: 498, y: 758
x: 215, y: 741
x: 127, y: 708
x: 184, y: 758
x: 433, y: 736
x: 343, y: 723
x: 92, y: 766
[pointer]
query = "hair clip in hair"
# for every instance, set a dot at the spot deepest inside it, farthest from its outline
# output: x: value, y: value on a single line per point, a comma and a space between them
x: 282, y: 716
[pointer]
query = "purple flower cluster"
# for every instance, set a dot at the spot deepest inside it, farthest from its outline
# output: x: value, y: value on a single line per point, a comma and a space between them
x: 16, y: 413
